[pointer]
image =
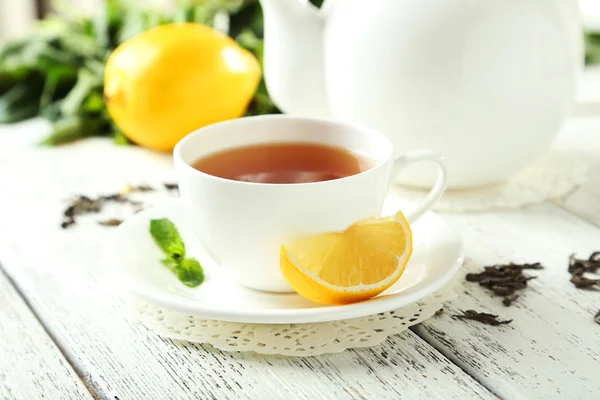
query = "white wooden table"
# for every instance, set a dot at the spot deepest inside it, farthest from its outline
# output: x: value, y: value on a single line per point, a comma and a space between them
x: 64, y: 333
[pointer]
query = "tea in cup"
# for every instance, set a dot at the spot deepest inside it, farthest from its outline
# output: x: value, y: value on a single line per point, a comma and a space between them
x: 252, y: 184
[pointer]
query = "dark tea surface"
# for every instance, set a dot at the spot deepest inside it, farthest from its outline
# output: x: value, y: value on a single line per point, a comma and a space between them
x: 284, y: 163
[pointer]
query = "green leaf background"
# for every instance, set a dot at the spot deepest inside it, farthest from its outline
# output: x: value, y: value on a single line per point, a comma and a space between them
x: 57, y: 71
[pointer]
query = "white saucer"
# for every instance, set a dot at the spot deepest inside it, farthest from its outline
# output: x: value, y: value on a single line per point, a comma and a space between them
x: 135, y: 260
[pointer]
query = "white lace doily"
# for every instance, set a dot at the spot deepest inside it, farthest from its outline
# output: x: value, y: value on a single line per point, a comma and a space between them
x: 555, y: 176
x: 289, y: 339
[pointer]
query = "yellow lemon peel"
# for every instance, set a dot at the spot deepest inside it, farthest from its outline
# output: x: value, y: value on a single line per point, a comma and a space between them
x: 173, y: 79
x: 354, y: 265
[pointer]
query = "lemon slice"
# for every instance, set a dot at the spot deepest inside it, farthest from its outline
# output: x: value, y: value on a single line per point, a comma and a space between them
x: 349, y: 266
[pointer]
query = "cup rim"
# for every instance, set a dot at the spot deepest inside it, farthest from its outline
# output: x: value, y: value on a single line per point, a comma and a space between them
x: 367, y: 130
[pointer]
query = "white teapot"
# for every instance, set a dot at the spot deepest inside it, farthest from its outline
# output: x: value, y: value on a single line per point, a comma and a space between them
x: 487, y: 83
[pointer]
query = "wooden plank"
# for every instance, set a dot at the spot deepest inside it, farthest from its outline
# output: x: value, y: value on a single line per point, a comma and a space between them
x: 66, y: 282
x: 582, y: 137
x: 552, y: 346
x: 31, y: 365
x: 551, y: 350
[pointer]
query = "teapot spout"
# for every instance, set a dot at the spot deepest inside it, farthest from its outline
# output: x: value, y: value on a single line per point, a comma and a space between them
x: 293, y: 56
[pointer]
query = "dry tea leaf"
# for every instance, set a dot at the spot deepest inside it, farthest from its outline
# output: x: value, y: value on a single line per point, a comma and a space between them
x: 508, y: 300
x: 78, y: 206
x: 484, y: 318
x: 581, y: 282
x: 503, y: 280
x: 140, y: 188
x: 578, y: 267
x: 171, y: 186
x: 81, y: 205
x: 111, y: 222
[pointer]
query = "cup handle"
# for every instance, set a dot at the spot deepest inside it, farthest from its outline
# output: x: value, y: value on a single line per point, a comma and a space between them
x: 438, y: 188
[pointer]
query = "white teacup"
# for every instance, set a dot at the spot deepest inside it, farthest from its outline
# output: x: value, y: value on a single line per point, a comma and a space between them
x: 242, y: 225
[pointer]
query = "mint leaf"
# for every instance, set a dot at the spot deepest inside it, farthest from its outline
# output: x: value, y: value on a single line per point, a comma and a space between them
x: 165, y: 234
x: 189, y: 272
x: 167, y: 237
x: 169, y: 263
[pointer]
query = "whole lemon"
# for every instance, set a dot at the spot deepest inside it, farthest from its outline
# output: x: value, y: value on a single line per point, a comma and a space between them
x: 170, y: 80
